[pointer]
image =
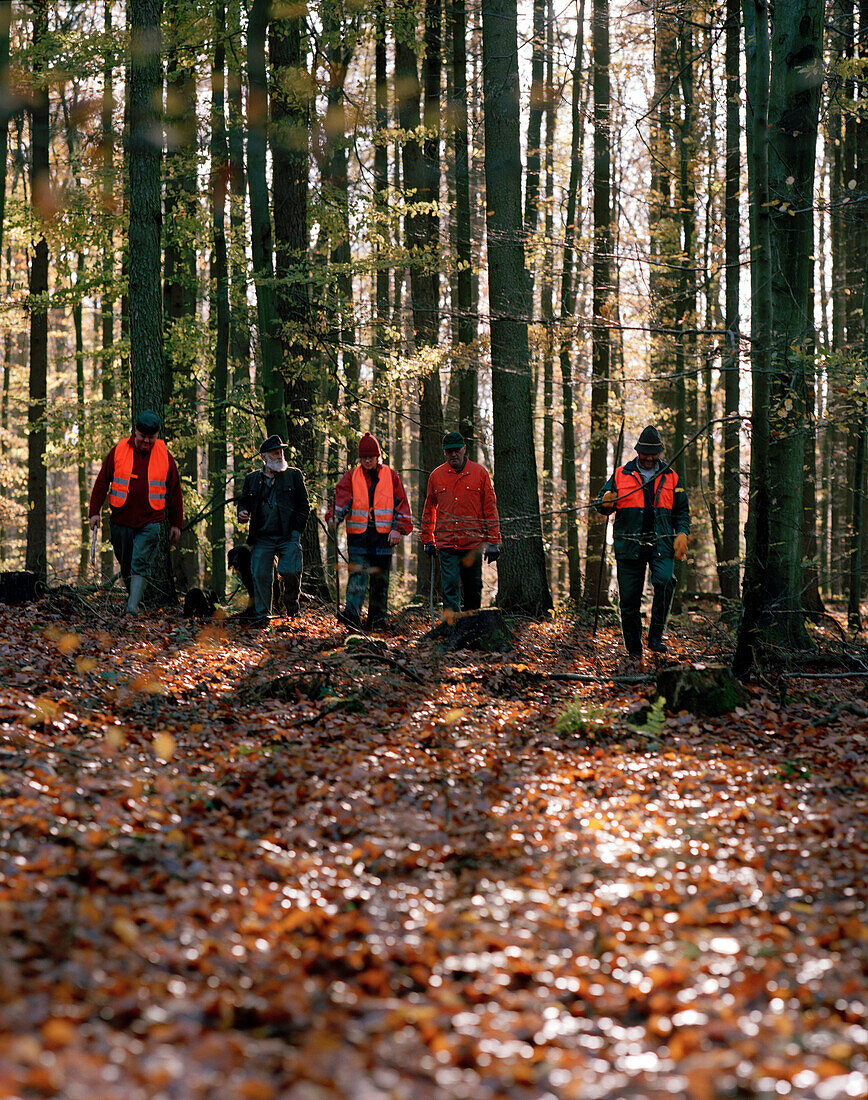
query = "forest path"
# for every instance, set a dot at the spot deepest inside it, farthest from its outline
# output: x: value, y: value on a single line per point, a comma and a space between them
x: 251, y: 865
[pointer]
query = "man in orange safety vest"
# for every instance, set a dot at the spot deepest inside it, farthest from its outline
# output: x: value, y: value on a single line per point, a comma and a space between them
x: 372, y: 500
x: 140, y: 478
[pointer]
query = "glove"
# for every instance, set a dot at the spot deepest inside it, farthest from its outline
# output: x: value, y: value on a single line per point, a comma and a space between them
x: 430, y: 549
x: 609, y: 498
x: 492, y: 553
x: 680, y: 545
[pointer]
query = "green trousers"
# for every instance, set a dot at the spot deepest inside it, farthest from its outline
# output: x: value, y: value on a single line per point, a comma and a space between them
x: 631, y: 582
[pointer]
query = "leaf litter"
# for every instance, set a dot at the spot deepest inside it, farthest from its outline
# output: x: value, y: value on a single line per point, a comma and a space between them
x: 313, y: 870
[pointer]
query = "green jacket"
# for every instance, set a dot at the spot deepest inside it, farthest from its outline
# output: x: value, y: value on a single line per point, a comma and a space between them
x: 671, y: 511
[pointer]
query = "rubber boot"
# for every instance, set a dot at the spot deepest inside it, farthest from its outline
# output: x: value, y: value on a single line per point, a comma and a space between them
x: 291, y: 583
x: 137, y: 590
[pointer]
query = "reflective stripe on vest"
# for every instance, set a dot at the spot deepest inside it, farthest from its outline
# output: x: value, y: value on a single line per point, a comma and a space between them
x: 158, y: 474
x: 383, y: 511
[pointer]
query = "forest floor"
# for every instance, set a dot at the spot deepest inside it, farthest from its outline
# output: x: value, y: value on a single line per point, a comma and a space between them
x: 272, y: 865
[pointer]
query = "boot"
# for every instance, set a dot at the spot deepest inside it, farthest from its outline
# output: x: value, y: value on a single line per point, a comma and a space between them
x: 137, y: 590
x: 291, y: 584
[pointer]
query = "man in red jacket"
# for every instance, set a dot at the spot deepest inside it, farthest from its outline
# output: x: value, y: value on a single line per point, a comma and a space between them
x: 460, y: 524
x: 374, y: 503
x: 141, y: 480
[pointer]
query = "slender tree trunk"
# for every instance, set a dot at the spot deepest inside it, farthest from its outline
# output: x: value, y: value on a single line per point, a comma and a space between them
x: 6, y: 97
x: 729, y: 571
x: 107, y: 368
x: 180, y: 273
x: 219, y: 306
x: 568, y: 305
x: 534, y: 143
x: 422, y: 250
x: 547, y: 310
x: 260, y: 218
x: 381, y: 233
x: 602, y: 305
x: 523, y: 582
x: 758, y: 55
x: 239, y: 314
x: 466, y: 326
x: 37, y: 410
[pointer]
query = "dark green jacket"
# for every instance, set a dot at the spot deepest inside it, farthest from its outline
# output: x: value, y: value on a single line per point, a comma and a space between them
x: 293, y: 505
x: 671, y: 511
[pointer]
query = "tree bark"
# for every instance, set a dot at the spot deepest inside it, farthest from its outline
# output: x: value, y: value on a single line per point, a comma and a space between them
x: 602, y: 304
x: 145, y: 304
x: 37, y: 410
x: 260, y: 217
x: 523, y: 583
x: 568, y: 305
x: 219, y: 305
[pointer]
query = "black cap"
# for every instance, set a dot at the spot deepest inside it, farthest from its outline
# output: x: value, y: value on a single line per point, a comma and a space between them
x: 453, y: 441
x: 273, y: 443
x: 148, y: 422
x: 649, y: 442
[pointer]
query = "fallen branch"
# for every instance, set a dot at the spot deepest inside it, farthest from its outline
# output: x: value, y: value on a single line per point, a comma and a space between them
x: 841, y: 708
x: 383, y: 659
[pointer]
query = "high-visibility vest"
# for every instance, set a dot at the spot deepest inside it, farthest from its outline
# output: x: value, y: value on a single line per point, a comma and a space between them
x: 158, y: 474
x: 383, y: 511
x: 629, y: 488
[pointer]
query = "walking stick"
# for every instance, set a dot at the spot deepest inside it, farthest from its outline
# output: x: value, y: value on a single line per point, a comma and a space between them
x: 334, y: 535
x: 433, y: 624
x: 619, y: 450
x: 93, y: 536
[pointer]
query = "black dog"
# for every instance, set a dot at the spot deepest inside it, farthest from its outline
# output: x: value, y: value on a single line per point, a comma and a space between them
x: 200, y: 603
x: 238, y: 560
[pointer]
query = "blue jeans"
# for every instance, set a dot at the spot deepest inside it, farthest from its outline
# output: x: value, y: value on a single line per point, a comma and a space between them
x: 135, y: 550
x: 286, y: 550
x: 631, y: 581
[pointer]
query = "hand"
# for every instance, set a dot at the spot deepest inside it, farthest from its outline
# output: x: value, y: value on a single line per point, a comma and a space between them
x: 430, y: 549
x: 332, y: 523
x: 680, y: 546
x: 394, y: 537
x: 174, y: 535
x: 609, y: 498
x: 94, y: 522
x: 492, y: 553
x: 243, y: 516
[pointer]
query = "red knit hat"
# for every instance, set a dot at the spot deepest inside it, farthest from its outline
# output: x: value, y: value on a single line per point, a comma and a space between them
x: 368, y: 446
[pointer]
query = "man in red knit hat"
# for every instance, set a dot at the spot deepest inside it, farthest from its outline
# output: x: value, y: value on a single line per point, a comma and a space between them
x: 141, y: 480
x: 374, y: 503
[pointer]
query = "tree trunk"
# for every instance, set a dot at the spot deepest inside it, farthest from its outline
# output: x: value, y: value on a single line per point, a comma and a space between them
x: 260, y: 218
x: 523, y: 583
x: 547, y: 311
x: 239, y: 314
x: 424, y: 285
x: 108, y: 368
x: 290, y: 141
x: 6, y: 98
x: 595, y: 586
x: 145, y: 306
x: 219, y: 306
x: 180, y: 273
x: 568, y: 305
x: 463, y: 308
x: 729, y: 572
x: 381, y: 230
x: 37, y: 411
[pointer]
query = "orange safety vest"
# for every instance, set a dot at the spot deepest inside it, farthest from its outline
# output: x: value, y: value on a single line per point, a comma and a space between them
x: 629, y: 489
x: 383, y: 512
x: 158, y: 475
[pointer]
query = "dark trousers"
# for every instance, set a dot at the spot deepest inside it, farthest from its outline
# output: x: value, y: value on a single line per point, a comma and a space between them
x: 461, y: 579
x: 365, y: 569
x: 631, y: 581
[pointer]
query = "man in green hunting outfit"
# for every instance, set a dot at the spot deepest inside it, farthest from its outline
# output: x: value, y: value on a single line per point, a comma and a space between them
x: 652, y: 522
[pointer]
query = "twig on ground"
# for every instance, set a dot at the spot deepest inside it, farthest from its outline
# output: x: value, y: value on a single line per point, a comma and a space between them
x: 841, y: 708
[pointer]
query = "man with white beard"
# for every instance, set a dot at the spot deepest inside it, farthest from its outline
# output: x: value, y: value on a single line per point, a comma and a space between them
x: 274, y: 500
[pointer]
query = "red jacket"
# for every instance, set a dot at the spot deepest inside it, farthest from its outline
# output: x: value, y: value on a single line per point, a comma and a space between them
x: 136, y: 511
x: 460, y: 509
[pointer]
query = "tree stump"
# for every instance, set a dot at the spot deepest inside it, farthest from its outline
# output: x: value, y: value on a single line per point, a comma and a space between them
x: 711, y: 690
x: 484, y: 630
